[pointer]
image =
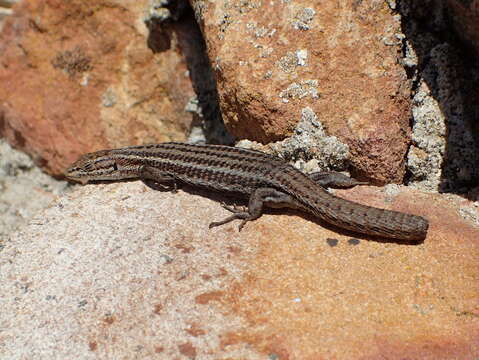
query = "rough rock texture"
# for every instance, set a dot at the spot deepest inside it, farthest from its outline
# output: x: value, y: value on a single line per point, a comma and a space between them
x: 465, y: 16
x: 24, y: 189
x: 5, y: 10
x: 340, y: 59
x: 78, y: 76
x: 445, y: 149
x: 309, y: 148
x: 176, y: 16
x: 121, y: 271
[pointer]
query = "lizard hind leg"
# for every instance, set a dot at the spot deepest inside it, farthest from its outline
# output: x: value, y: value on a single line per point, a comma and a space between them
x: 260, y: 197
x: 237, y: 214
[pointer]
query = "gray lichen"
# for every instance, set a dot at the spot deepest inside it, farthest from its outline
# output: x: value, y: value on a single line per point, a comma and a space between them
x: 309, y: 148
x: 309, y: 142
x: 164, y: 10
x: 445, y: 151
x: 303, y: 18
x: 300, y: 90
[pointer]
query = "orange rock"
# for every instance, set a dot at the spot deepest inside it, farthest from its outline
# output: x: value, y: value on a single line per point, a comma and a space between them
x: 273, y: 59
x: 78, y: 76
x: 90, y: 275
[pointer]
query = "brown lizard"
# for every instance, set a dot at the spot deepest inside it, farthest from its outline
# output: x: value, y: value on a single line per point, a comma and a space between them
x: 264, y: 179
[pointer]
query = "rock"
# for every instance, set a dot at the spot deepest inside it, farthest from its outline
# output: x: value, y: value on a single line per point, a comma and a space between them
x: 465, y: 19
x: 78, y: 76
x: 444, y: 152
x: 273, y: 60
x: 24, y: 190
x: 121, y: 271
x: 5, y: 10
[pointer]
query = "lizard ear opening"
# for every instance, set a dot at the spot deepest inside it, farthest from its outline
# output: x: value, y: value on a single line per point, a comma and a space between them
x: 115, y: 166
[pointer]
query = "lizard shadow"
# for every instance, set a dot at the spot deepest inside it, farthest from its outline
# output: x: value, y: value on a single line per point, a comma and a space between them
x: 232, y: 199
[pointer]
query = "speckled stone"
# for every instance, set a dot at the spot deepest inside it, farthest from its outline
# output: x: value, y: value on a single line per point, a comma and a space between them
x: 121, y: 271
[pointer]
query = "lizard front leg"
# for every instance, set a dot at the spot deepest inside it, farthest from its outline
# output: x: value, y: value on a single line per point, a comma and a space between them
x: 262, y: 196
x: 157, y: 179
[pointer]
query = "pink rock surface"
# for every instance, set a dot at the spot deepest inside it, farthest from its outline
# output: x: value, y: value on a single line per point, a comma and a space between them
x: 78, y: 76
x: 121, y: 271
x: 340, y: 59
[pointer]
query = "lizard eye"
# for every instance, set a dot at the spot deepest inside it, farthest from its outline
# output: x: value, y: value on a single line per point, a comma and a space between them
x: 89, y: 167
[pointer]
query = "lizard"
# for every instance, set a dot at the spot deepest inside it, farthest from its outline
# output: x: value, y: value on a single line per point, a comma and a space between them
x: 263, y: 179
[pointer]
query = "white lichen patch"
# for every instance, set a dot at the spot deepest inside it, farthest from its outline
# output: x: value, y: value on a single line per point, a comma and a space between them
x: 292, y: 60
x: 300, y: 90
x: 310, y: 147
x: 288, y: 62
x: 303, y: 18
x: 108, y: 98
x: 302, y: 56
x: 470, y: 213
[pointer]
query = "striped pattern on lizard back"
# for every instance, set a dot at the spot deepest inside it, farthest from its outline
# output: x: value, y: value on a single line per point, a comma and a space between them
x: 220, y: 168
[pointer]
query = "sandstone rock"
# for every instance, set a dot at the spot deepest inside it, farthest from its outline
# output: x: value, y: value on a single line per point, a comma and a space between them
x: 273, y: 60
x: 78, y: 76
x: 121, y: 271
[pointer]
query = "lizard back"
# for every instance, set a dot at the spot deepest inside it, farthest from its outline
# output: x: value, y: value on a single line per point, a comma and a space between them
x: 215, y: 167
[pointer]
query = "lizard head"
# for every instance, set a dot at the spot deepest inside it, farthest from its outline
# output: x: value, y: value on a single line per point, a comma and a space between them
x: 95, y: 166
